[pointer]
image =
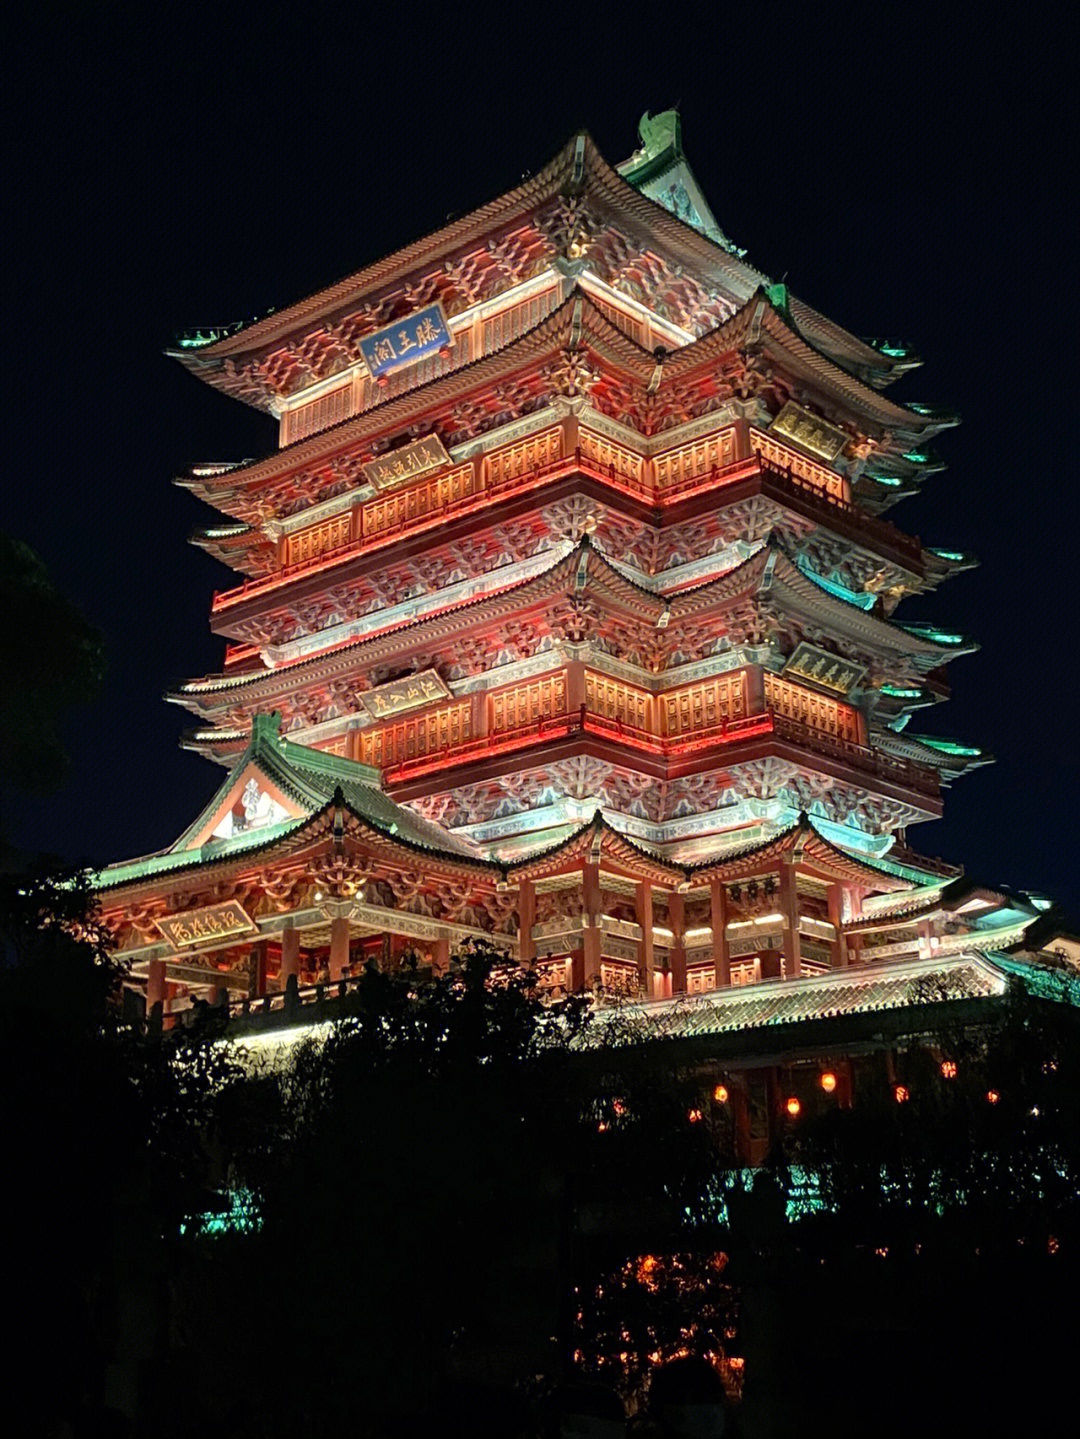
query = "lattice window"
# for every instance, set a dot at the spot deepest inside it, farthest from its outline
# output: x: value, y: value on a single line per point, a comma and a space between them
x: 320, y: 414
x: 706, y: 705
x: 797, y: 464
x: 632, y: 325
x: 612, y: 456
x: 513, y: 461
x: 317, y: 540
x: 807, y: 707
x: 696, y: 460
x: 526, y: 704
x: 614, y: 701
x: 417, y: 502
x: 427, y: 734
x: 508, y: 324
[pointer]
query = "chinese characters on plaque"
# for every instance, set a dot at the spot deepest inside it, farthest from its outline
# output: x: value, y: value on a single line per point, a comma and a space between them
x: 823, y: 669
x: 407, y: 694
x: 417, y: 336
x: 406, y: 463
x: 821, y: 439
x: 197, y: 926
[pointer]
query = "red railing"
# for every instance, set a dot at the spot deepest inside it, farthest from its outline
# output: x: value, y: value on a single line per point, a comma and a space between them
x: 831, y: 508
x: 584, y: 721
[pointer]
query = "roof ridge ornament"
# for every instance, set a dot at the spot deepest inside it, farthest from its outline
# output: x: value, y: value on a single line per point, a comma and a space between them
x: 265, y: 731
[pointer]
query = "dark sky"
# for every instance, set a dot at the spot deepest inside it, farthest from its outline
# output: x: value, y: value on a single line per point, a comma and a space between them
x: 175, y: 167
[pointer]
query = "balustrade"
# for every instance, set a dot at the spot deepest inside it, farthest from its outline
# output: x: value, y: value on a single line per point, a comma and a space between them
x: 418, y: 737
x: 662, y: 480
x: 793, y: 462
x: 816, y: 711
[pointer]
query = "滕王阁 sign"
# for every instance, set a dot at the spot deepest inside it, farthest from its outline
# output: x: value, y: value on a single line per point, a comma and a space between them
x: 423, y: 333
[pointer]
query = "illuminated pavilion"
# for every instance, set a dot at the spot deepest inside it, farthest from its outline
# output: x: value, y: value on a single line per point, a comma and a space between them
x: 568, y: 617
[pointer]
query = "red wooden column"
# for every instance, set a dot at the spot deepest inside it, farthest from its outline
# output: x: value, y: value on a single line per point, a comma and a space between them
x: 339, y: 947
x: 855, y: 941
x: 155, y: 985
x: 526, y: 920
x: 789, y: 908
x: 290, y: 952
x: 590, y: 883
x: 259, y: 965
x: 836, y: 919
x: 575, y: 688
x: 440, y: 957
x: 677, y: 918
x: 721, y: 954
x: 644, y: 909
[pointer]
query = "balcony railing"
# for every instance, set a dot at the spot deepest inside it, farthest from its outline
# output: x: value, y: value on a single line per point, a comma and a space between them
x: 431, y: 508
x: 584, y: 721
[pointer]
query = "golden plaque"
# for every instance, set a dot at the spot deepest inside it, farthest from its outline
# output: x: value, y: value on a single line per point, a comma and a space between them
x: 821, y: 439
x: 199, y: 926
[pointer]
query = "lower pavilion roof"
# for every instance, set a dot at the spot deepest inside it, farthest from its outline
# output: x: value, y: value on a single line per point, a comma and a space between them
x: 303, y: 784
x: 866, y: 989
x: 301, y: 789
x: 773, y: 1016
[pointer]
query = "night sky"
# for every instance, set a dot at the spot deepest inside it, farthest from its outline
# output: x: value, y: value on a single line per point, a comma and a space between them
x: 175, y: 170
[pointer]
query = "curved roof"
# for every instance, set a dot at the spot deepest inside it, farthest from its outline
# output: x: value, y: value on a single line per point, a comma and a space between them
x: 577, y: 172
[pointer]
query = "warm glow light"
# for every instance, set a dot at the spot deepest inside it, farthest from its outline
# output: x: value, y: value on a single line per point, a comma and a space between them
x: 901, y: 1094
x: 693, y: 1115
x: 793, y: 1107
x: 828, y: 1081
x: 948, y: 1068
x: 720, y: 1094
x: 992, y: 1096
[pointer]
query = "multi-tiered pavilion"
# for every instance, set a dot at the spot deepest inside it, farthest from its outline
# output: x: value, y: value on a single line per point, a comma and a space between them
x: 566, y: 618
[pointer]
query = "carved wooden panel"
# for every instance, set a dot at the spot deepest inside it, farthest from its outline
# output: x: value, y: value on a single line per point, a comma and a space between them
x: 414, y: 503
x: 316, y: 540
x: 615, y: 457
x: 810, y: 708
x: 518, y: 459
x: 794, y: 463
x: 701, y: 978
x: 705, y: 705
x: 320, y: 414
x: 616, y: 701
x: 508, y: 324
x: 426, y: 734
x: 632, y: 325
x: 695, y: 460
x: 525, y: 704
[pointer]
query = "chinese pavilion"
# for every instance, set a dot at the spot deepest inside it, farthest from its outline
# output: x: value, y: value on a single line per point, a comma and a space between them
x: 567, y: 618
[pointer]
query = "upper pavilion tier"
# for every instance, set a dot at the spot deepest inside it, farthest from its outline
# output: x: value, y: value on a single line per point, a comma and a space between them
x: 642, y: 243
x: 581, y: 349
x: 577, y: 208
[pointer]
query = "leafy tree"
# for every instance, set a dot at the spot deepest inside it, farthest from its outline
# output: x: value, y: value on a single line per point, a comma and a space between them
x: 56, y: 661
x: 107, y: 1133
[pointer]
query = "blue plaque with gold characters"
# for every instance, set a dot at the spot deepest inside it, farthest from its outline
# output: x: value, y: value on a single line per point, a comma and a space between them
x: 423, y: 333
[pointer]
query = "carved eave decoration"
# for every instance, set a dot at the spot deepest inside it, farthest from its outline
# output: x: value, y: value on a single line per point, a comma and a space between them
x: 580, y: 597
x: 335, y: 828
x: 597, y: 842
x: 574, y: 351
x: 578, y: 210
x: 806, y: 846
